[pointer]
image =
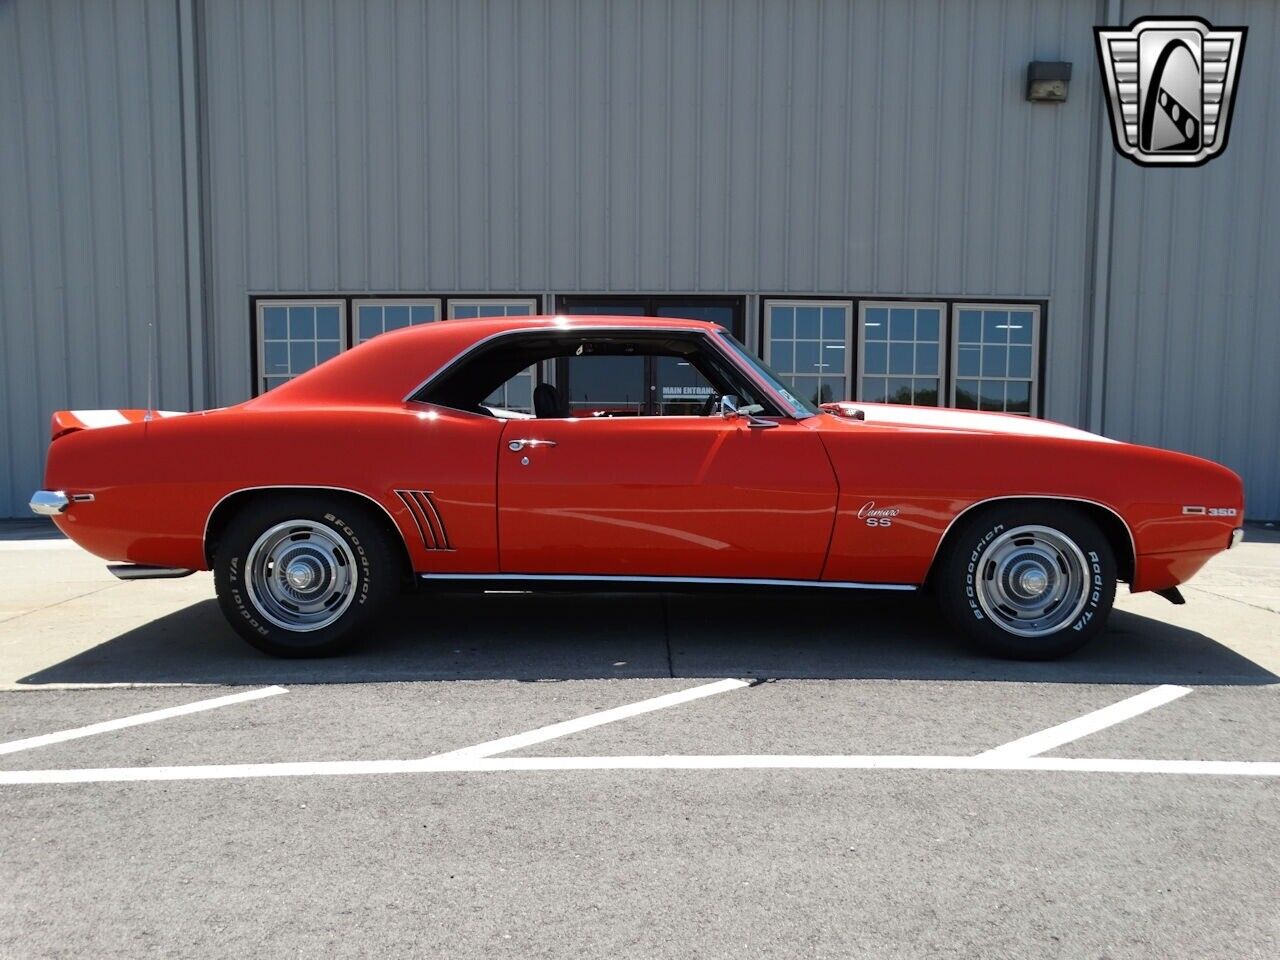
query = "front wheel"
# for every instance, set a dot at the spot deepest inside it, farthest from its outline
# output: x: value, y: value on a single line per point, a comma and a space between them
x: 1028, y: 581
x: 300, y: 576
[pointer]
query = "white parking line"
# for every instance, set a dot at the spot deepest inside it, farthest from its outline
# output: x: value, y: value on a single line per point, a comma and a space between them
x: 542, y: 734
x: 151, y: 717
x: 1046, y: 740
x: 328, y: 768
x: 53, y: 543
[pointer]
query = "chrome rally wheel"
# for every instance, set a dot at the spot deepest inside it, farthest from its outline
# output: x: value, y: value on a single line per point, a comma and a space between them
x: 305, y: 574
x: 1032, y: 581
x: 1027, y: 580
x: 302, y: 576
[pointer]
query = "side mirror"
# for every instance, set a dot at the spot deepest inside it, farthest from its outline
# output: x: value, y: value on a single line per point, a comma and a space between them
x: 729, y: 406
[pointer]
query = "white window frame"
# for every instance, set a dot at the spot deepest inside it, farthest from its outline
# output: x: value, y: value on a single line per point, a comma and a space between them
x: 846, y: 305
x: 358, y: 302
x: 260, y: 331
x: 530, y: 302
x: 1034, y: 310
x: 943, y: 353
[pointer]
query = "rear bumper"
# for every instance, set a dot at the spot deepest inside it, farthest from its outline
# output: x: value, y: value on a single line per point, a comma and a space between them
x: 49, y: 503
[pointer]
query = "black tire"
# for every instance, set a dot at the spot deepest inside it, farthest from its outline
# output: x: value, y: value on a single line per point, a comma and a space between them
x: 989, y: 579
x: 341, y: 544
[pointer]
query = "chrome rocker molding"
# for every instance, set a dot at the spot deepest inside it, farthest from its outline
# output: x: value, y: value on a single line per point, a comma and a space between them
x: 140, y: 571
x: 691, y: 581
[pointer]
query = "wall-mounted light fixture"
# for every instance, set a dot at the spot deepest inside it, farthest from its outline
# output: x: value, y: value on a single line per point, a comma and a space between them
x: 1047, y: 81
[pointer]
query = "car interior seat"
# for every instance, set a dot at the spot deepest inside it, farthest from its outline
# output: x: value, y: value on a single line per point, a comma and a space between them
x: 548, y: 404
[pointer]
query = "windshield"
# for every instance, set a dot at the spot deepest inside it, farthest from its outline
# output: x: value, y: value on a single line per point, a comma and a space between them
x: 799, y: 407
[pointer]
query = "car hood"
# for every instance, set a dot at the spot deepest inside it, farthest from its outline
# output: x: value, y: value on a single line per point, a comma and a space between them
x: 960, y: 421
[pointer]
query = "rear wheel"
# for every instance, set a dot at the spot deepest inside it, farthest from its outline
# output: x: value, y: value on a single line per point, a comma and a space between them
x: 1028, y: 581
x: 303, y: 575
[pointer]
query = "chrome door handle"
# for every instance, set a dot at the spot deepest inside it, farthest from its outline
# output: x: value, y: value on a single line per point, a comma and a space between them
x: 517, y: 445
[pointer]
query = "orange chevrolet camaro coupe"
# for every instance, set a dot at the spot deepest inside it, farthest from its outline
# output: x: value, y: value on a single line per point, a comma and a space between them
x: 620, y: 453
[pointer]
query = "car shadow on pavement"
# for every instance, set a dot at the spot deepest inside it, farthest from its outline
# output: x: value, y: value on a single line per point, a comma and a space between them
x: 588, y: 636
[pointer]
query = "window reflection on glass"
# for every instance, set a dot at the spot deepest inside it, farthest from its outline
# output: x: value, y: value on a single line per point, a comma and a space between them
x: 901, y: 359
x: 682, y: 391
x: 295, y: 337
x: 994, y: 356
x: 807, y: 345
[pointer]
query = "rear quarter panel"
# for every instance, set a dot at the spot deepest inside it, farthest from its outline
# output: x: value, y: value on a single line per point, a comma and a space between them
x: 155, y: 484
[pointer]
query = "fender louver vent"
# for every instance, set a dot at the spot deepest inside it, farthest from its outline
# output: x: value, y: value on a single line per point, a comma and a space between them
x: 422, y: 507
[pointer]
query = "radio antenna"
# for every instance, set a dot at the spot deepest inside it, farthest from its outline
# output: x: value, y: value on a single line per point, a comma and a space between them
x: 151, y: 367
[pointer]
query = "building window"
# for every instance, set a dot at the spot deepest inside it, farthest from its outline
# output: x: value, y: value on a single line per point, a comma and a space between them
x: 807, y: 344
x: 995, y: 355
x: 726, y: 311
x: 378, y: 316
x: 296, y: 335
x: 900, y: 353
x: 488, y: 307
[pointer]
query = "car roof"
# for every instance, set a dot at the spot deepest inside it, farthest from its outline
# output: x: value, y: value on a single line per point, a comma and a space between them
x: 388, y: 367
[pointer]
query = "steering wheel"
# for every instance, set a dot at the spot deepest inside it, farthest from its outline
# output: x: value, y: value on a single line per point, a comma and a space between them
x: 709, y: 405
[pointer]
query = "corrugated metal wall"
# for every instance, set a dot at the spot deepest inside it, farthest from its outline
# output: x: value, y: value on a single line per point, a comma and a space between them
x: 766, y: 146
x: 555, y: 146
x: 91, y: 219
x: 1194, y: 308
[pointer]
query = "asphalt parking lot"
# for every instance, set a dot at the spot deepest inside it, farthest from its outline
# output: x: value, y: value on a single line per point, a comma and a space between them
x: 648, y: 776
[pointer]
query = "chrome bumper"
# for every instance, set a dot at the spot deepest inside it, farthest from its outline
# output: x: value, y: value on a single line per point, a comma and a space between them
x: 1236, y: 536
x: 49, y: 503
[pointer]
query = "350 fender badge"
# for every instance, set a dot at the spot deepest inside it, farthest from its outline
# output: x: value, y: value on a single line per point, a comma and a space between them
x: 1209, y: 511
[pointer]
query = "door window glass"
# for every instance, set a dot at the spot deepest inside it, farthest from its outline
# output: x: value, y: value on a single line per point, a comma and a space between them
x: 606, y: 386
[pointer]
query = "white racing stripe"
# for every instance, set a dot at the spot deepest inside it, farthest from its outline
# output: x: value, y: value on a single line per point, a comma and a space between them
x: 100, y: 418
x: 141, y: 718
x: 1221, y: 768
x: 1063, y: 733
x: 543, y: 734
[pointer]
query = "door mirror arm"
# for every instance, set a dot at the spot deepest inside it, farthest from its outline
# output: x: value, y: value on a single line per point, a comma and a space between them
x: 730, y: 410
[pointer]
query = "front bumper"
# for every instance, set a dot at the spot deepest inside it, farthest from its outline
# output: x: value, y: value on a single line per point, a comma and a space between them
x: 49, y: 503
x: 1236, y: 536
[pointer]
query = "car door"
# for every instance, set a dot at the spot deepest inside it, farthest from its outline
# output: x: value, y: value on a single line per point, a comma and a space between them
x: 682, y: 496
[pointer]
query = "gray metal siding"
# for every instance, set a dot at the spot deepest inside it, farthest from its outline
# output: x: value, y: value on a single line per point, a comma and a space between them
x: 1194, y: 331
x: 91, y: 218
x: 747, y: 147
x: 556, y: 146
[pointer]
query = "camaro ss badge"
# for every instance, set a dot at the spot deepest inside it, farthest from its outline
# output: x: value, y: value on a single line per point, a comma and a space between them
x: 877, y: 516
x: 1171, y: 84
